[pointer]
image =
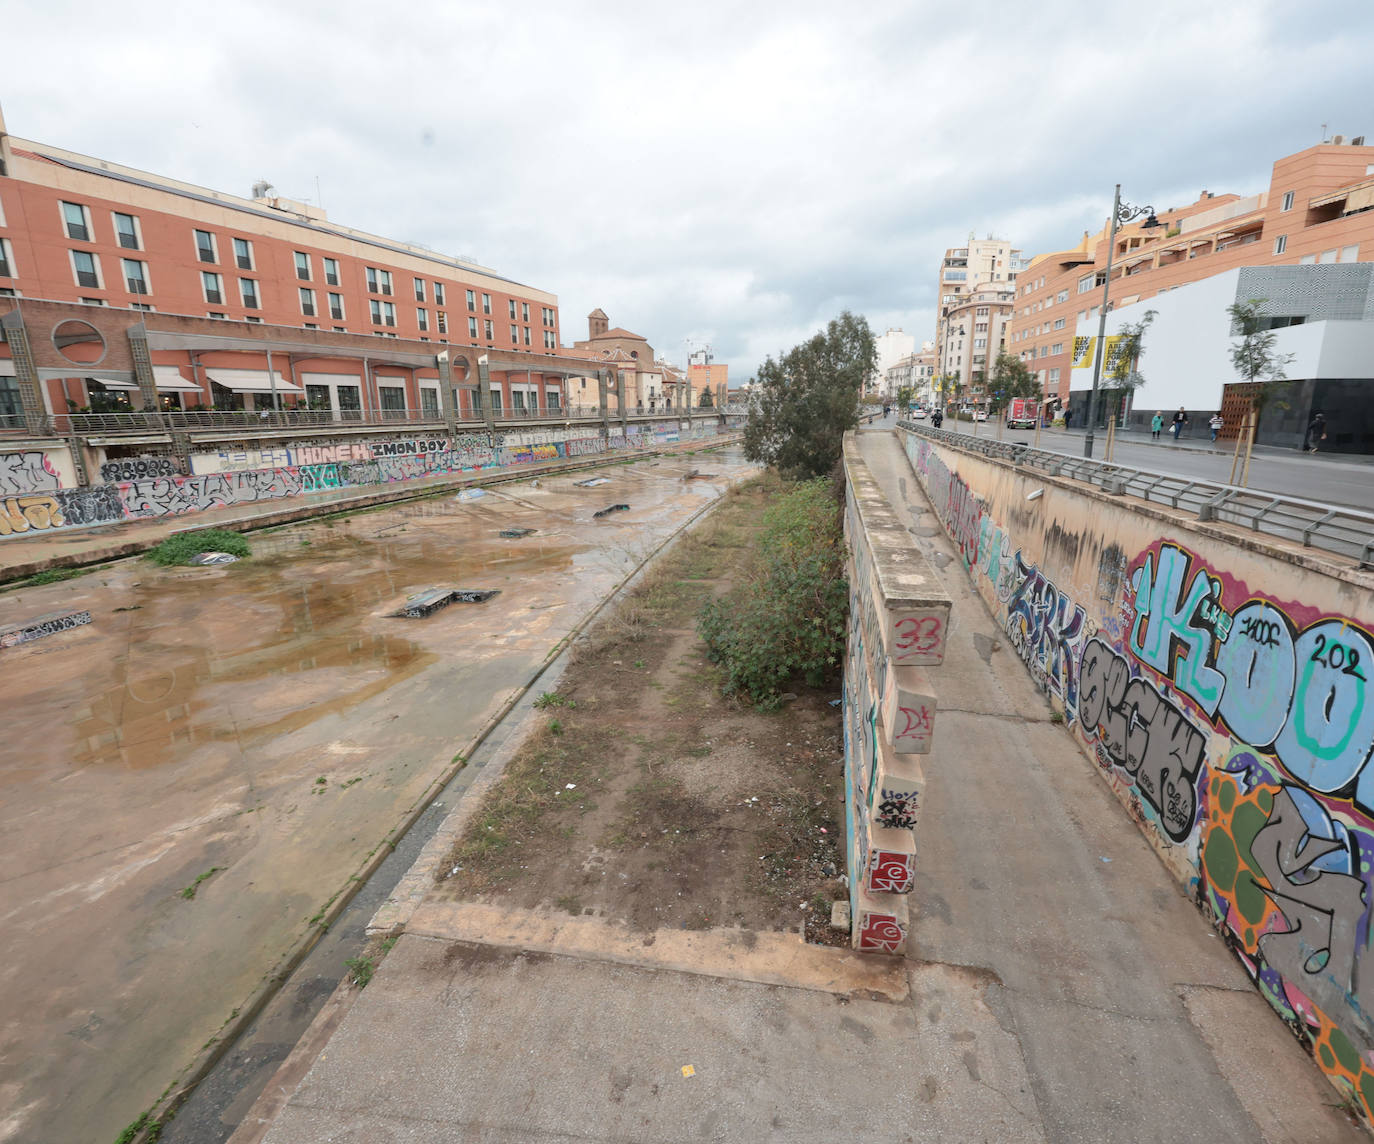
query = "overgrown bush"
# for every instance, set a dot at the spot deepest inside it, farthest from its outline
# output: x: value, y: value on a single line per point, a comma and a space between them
x: 787, y: 618
x: 181, y: 548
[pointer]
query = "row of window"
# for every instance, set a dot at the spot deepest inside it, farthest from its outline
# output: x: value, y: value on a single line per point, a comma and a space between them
x: 77, y: 221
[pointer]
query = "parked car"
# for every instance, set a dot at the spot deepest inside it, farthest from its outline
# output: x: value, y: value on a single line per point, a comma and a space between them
x: 918, y: 414
x: 980, y: 414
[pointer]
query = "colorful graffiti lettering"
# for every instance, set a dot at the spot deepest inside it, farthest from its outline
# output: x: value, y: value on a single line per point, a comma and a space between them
x: 27, y: 472
x: 1046, y: 629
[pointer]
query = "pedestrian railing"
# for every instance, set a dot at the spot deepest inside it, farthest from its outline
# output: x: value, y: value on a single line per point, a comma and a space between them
x: 1330, y: 528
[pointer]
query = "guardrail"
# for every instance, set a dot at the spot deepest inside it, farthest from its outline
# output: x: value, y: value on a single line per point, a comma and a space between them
x: 1330, y: 528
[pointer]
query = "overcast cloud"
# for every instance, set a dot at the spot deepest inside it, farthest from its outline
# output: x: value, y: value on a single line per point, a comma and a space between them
x: 724, y: 173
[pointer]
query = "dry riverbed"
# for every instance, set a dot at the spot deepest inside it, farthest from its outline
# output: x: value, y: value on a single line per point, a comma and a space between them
x: 644, y: 796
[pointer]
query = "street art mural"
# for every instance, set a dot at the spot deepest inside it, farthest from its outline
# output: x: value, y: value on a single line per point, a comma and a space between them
x: 1237, y: 726
x: 32, y: 498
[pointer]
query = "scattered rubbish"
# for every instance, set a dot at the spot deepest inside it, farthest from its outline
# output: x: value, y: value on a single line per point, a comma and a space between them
x: 471, y: 494
x: 516, y: 533
x: 592, y: 482
x: 46, y: 625
x: 824, y: 830
x: 428, y: 602
x: 839, y: 914
x: 571, y: 786
x: 534, y: 484
x: 204, y: 558
x: 454, y: 871
x: 612, y: 508
x: 697, y: 475
x: 688, y: 1070
x: 1104, y: 859
x: 836, y: 702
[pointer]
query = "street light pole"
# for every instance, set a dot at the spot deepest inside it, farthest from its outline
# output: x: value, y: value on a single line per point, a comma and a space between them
x: 1121, y: 212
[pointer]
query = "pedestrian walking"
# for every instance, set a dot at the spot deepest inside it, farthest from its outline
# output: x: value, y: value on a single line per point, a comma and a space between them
x: 1316, y: 431
x: 1180, y: 420
x: 1156, y: 424
x: 1216, y: 423
x: 1068, y: 413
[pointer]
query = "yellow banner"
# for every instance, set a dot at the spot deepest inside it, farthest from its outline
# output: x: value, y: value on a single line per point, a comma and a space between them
x: 1084, y: 348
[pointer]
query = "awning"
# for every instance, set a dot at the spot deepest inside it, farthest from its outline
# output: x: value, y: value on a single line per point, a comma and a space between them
x: 168, y: 379
x: 105, y: 383
x: 251, y: 381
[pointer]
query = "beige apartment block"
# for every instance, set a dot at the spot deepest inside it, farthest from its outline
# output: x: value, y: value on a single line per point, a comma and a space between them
x: 1318, y: 208
x: 975, y: 281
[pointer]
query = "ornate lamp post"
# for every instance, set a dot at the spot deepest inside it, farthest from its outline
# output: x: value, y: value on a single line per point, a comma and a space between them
x: 1121, y: 213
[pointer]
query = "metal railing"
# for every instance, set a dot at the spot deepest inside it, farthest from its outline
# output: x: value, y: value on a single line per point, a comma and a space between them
x: 1330, y: 528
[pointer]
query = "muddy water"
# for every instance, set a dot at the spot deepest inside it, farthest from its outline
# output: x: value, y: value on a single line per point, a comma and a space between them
x: 268, y: 720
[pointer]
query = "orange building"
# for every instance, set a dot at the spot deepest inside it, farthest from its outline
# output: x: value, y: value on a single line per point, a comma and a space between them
x: 1318, y: 208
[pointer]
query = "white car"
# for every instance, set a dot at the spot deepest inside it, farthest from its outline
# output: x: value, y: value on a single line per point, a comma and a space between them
x: 918, y: 414
x: 980, y: 414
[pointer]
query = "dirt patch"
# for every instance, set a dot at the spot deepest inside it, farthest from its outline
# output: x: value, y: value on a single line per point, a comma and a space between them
x: 646, y: 797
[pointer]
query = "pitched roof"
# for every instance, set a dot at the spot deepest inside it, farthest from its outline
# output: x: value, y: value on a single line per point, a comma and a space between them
x: 619, y: 332
x: 597, y: 313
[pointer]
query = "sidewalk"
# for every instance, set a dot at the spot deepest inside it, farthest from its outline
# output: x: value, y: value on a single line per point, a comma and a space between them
x: 1071, y: 440
x: 1034, y: 1007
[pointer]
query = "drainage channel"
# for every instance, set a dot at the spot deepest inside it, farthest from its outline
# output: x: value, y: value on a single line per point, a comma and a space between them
x: 213, y: 1110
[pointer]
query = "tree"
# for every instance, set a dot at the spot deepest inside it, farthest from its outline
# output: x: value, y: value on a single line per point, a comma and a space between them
x: 904, y: 395
x: 705, y: 401
x: 809, y: 398
x: 1123, y: 376
x: 1253, y: 354
x: 1011, y: 378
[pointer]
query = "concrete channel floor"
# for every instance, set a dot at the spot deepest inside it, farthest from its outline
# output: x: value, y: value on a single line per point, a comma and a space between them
x: 1060, y: 986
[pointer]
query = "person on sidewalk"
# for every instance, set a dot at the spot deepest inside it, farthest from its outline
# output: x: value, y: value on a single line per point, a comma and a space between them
x: 1156, y: 424
x: 1180, y: 420
x: 1316, y: 431
x: 1216, y: 423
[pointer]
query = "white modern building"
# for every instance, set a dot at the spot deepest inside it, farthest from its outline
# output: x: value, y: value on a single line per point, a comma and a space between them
x: 892, y: 346
x: 1321, y: 315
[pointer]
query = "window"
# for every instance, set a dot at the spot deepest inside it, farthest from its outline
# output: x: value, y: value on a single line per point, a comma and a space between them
x: 1057, y: 348
x: 511, y: 304
x: 78, y: 221
x: 524, y: 311
x: 514, y: 334
x: 419, y: 289
x: 87, y: 268
x: 554, y: 399
x: 1059, y: 323
x: 980, y: 343
x: 422, y: 315
x: 439, y: 294
x: 442, y: 315
x: 472, y: 301
x: 527, y: 335
x: 1085, y: 283
x: 1054, y: 376
x: 429, y: 401
x: 6, y: 259
x: 252, y: 318
x: 216, y: 314
x: 550, y: 342
x: 303, y: 266
x: 205, y: 246
x: 337, y: 329
x: 486, y: 305
x: 1287, y: 201
x: 1280, y: 244
x: 383, y: 313
x: 393, y: 398
x: 1062, y: 296
x: 213, y: 285
x: 336, y: 307
x: 90, y: 301
x: 472, y: 327
x: 1327, y: 256
x: 1350, y: 253
x: 307, y: 302
x: 135, y: 275
x: 140, y: 306
x: 548, y: 315
x: 378, y: 281
x: 310, y: 325
x: 488, y: 329
x: 126, y: 231
x: 248, y: 291
x: 331, y: 271
x: 243, y: 254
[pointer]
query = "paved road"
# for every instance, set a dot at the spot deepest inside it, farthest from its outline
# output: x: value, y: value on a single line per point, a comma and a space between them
x: 190, y: 780
x: 1327, y: 478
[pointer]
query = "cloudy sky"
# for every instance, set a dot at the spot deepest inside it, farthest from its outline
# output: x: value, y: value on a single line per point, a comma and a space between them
x: 721, y: 173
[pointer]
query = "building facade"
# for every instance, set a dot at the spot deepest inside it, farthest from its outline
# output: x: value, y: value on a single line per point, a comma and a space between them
x: 1318, y: 209
x: 966, y: 342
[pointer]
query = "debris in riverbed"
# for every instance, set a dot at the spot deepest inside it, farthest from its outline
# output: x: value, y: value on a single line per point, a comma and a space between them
x: 205, y: 558
x: 516, y: 533
x: 612, y: 508
x: 471, y: 494
x: 426, y: 603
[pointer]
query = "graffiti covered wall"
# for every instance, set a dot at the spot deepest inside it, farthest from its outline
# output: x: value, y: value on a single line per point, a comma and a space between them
x: 1223, y: 692
x: 35, y: 492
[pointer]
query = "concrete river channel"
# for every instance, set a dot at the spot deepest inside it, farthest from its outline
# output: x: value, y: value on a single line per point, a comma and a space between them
x: 192, y: 781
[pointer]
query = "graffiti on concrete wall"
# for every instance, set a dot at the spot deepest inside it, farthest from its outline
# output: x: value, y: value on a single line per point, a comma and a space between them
x: 1239, y: 727
x: 171, y: 496
x: 29, y: 471
x: 15, y: 634
x: 136, y: 469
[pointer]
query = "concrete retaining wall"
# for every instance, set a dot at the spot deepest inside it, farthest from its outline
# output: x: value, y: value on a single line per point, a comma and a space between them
x: 1221, y: 685
x: 898, y: 617
x: 36, y: 497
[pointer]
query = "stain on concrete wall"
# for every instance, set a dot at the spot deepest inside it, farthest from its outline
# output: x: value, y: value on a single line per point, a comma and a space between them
x: 1223, y: 692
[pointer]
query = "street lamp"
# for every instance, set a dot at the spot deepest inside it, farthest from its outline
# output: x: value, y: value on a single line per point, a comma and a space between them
x: 1121, y: 213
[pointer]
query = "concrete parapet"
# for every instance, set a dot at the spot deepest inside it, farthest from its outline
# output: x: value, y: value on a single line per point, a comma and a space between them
x: 899, y: 619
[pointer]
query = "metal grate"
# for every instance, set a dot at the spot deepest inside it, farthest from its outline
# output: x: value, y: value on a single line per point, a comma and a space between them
x: 1330, y: 528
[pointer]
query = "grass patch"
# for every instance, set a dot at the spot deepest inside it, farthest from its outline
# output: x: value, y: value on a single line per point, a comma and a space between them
x: 53, y: 576
x: 190, y: 891
x: 180, y: 549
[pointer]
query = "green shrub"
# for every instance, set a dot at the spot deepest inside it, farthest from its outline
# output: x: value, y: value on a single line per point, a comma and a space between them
x: 181, y: 548
x: 788, y: 616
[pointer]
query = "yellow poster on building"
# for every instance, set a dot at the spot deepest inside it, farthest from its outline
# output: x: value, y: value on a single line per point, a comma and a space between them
x: 1084, y: 348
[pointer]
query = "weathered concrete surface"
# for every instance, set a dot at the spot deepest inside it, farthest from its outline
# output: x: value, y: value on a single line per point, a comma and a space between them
x: 1040, y: 1006
x: 186, y: 729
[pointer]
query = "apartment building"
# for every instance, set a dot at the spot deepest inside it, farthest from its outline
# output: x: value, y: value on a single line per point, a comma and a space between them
x: 78, y: 229
x: 915, y: 371
x: 1318, y: 208
x: 976, y: 283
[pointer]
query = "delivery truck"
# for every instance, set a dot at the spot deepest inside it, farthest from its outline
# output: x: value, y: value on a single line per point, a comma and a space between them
x: 1022, y: 413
